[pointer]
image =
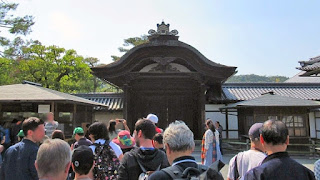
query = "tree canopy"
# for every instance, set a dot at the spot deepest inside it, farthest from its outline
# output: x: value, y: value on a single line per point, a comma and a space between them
x: 253, y: 78
x: 130, y: 43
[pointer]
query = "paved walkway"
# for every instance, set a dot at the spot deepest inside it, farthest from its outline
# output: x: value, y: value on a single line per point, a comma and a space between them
x: 309, y: 163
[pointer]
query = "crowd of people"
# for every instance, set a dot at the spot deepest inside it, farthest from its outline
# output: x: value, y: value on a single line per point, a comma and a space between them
x: 39, y: 151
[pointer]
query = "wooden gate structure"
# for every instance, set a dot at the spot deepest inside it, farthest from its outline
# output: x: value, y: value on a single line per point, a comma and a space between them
x: 168, y: 78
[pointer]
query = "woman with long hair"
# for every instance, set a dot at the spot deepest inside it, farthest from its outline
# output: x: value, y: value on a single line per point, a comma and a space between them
x: 209, y: 145
x: 113, y: 132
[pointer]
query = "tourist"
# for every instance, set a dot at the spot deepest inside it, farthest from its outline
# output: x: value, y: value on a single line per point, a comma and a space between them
x: 107, y: 153
x: 209, y: 149
x: 113, y: 132
x: 16, y: 127
x: 53, y: 160
x: 144, y: 157
x: 125, y: 141
x: 57, y: 134
x: 50, y: 124
x: 277, y: 165
x: 82, y: 163
x: 154, y: 119
x: 158, y: 142
x: 179, y: 144
x: 241, y: 163
x: 23, y: 154
x: 78, y: 135
x: 219, y: 128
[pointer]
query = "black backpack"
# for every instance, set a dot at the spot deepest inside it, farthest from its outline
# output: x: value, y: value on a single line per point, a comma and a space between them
x: 202, y: 172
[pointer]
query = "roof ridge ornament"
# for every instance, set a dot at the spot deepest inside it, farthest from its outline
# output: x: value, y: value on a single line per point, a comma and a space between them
x: 163, y: 29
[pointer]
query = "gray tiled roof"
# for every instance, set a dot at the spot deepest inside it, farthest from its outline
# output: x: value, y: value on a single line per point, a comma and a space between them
x: 32, y: 93
x: 114, y: 101
x: 247, y: 91
x: 299, y: 78
x: 274, y: 100
x: 312, y: 67
x: 231, y: 92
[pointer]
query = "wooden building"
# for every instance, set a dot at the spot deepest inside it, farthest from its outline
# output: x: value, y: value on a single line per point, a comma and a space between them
x: 292, y: 111
x: 26, y: 100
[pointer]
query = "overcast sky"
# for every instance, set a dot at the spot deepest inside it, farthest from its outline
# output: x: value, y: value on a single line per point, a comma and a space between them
x: 257, y: 36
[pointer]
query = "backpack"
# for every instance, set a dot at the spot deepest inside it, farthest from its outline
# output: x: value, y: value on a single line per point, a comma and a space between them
x: 145, y: 174
x: 202, y: 172
x: 106, y: 162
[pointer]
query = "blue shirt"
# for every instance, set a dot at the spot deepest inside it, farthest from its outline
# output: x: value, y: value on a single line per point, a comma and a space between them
x: 18, y: 162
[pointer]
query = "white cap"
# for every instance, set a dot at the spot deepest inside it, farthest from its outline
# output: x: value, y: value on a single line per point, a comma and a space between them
x: 153, y: 118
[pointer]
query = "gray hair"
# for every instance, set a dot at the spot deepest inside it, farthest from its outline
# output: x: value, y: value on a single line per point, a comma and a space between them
x: 53, y: 157
x: 179, y: 137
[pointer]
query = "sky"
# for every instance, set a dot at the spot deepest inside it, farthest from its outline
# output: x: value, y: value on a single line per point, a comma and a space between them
x: 257, y: 36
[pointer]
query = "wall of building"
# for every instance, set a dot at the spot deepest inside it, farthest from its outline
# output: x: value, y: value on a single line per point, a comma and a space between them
x: 230, y: 126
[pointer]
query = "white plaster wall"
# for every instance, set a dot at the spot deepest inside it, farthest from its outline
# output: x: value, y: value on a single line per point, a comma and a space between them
x: 218, y: 116
x: 213, y: 107
x: 312, y: 125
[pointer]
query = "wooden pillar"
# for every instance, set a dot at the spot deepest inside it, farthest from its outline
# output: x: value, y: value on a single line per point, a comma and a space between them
x: 227, y: 124
x: 74, y: 116
x: 52, y: 107
x: 86, y: 113
x: 202, y: 102
x: 125, y: 101
x: 1, y: 111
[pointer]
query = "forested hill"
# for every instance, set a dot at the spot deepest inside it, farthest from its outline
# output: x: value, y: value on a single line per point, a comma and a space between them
x: 253, y: 78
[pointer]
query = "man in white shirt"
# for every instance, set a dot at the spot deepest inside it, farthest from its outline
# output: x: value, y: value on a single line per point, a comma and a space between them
x: 247, y: 160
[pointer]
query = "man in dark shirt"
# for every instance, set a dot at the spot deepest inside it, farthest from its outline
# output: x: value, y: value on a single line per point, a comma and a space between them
x: 78, y: 135
x: 277, y: 165
x: 19, y: 159
x: 149, y: 157
x: 179, y: 143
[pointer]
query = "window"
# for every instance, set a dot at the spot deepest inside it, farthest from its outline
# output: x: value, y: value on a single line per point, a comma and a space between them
x: 296, y: 125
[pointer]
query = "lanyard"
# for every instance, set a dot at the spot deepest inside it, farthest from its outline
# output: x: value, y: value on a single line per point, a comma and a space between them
x: 144, y: 148
x: 185, y: 160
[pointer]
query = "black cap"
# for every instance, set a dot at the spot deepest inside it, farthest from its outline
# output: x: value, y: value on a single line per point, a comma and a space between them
x: 82, y: 156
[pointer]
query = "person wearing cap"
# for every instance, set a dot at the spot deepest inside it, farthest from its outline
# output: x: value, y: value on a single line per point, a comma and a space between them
x: 125, y: 141
x: 83, y: 163
x: 78, y: 135
x: 154, y: 118
x: 20, y: 135
x: 277, y: 165
x: 241, y: 163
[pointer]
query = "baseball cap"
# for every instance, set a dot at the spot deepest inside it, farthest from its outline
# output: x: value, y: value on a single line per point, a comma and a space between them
x: 124, y: 140
x: 254, y: 131
x: 153, y: 118
x: 82, y: 156
x: 20, y: 134
x: 77, y: 130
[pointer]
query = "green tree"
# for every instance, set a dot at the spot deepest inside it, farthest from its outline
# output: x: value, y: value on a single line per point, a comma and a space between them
x: 14, y: 25
x: 253, y: 78
x: 130, y: 43
x: 8, y: 71
x: 56, y: 68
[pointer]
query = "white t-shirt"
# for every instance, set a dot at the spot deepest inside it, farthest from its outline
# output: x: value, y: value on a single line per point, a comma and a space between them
x: 246, y: 161
x: 113, y: 145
